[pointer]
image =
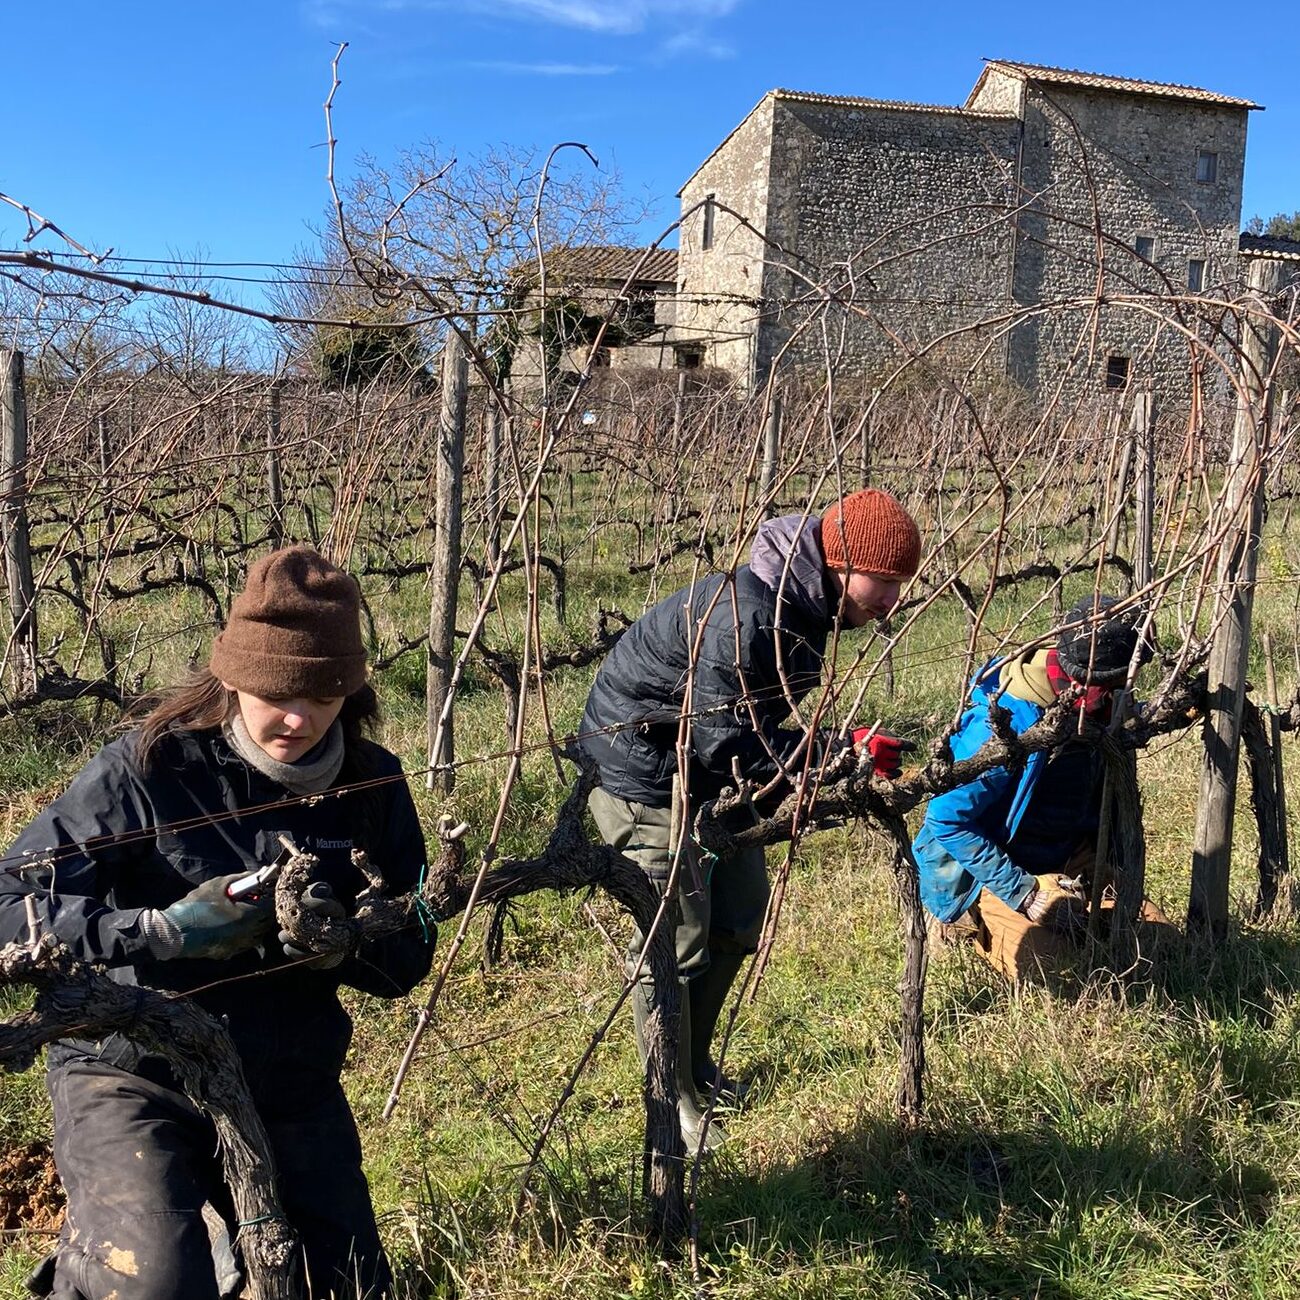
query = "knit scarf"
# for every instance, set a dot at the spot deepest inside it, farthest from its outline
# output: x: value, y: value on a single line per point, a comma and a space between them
x: 310, y: 775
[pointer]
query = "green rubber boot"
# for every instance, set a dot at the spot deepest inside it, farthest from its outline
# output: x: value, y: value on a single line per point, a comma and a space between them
x: 689, y: 1111
x: 708, y: 997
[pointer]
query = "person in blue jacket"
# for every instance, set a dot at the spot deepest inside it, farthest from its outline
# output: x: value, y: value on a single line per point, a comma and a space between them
x: 130, y: 868
x: 1018, y: 841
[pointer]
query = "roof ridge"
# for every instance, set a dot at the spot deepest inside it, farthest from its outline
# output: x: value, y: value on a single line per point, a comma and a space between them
x: 868, y: 101
x: 1109, y: 80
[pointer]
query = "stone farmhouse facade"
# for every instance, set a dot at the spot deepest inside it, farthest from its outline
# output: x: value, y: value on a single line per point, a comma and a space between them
x: 633, y: 290
x: 1019, y: 235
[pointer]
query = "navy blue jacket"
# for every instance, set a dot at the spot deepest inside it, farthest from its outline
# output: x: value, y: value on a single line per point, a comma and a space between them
x: 752, y: 665
x: 122, y: 839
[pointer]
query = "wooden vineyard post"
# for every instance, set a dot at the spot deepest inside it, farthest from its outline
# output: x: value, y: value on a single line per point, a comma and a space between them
x: 274, y: 488
x: 445, y: 575
x: 493, y: 444
x: 1207, y: 911
x: 1120, y: 499
x: 1144, y: 481
x: 13, y: 516
x: 771, y: 455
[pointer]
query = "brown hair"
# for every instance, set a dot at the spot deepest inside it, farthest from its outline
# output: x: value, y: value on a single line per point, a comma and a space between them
x: 202, y: 703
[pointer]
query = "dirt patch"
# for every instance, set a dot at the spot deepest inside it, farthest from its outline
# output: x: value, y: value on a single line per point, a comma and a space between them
x: 31, y: 1196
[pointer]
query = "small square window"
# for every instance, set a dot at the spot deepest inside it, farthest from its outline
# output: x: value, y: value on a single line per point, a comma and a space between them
x: 1145, y: 247
x: 1116, y: 372
x: 1207, y: 167
x: 690, y: 357
x: 1196, y: 274
x: 706, y: 235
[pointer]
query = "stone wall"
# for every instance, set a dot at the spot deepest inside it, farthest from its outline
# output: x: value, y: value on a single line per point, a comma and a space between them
x: 1098, y: 170
x: 905, y: 213
x: 1001, y: 237
x: 720, y: 288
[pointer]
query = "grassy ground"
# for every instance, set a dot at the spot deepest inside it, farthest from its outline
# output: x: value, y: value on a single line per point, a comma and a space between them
x: 1081, y: 1140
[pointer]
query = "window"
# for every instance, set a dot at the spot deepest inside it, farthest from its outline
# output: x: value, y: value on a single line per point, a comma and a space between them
x: 1116, y: 372
x: 1145, y: 247
x: 706, y: 236
x: 1196, y: 274
x: 1207, y: 167
x: 690, y: 357
x: 641, y: 311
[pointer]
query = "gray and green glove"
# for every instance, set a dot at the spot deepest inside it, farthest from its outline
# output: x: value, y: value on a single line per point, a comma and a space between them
x: 208, y: 923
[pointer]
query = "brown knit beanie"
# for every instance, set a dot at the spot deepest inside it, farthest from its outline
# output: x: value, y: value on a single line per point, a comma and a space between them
x: 295, y: 630
x: 870, y: 532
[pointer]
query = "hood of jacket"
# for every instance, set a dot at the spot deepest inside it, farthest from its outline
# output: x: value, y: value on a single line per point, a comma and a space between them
x: 787, y: 557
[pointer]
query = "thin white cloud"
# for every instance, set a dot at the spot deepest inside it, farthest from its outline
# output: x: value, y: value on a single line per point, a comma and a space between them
x: 547, y: 69
x: 696, y: 43
x: 616, y: 17
x: 611, y: 17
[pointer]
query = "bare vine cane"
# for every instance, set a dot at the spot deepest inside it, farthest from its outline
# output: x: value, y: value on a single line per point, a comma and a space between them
x: 570, y: 861
x: 72, y: 998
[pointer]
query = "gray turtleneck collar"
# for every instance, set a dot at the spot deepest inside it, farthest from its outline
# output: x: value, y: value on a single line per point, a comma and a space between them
x: 310, y: 775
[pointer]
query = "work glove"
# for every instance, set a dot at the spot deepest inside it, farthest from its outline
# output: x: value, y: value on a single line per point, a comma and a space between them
x: 318, y: 899
x: 886, y: 751
x: 1056, y: 901
x: 208, y: 923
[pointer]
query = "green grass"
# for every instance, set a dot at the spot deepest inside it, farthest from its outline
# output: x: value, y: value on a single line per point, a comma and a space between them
x: 1085, y: 1140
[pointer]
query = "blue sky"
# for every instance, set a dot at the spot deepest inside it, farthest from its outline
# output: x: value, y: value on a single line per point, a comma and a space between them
x: 157, y: 128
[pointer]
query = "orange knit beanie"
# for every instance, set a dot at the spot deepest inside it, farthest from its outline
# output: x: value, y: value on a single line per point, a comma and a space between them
x: 870, y: 532
x: 295, y: 630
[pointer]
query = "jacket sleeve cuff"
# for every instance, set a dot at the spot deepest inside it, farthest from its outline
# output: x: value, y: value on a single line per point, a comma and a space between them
x: 163, y: 937
x: 1022, y: 891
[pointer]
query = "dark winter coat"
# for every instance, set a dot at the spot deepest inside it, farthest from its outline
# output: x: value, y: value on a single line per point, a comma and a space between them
x: 123, y: 839
x: 761, y: 636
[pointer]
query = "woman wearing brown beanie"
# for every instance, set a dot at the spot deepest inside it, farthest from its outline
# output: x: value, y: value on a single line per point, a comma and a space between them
x: 143, y: 848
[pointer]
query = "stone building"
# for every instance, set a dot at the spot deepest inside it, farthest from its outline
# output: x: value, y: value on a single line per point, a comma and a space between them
x: 631, y: 291
x: 1019, y: 236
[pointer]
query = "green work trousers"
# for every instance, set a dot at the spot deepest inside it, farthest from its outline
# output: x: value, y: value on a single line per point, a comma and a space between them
x: 720, y: 902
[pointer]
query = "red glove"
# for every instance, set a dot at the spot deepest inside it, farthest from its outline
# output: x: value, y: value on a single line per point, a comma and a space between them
x: 886, y: 751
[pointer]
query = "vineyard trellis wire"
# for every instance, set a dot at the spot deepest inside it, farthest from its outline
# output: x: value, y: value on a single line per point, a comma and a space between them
x: 137, y: 489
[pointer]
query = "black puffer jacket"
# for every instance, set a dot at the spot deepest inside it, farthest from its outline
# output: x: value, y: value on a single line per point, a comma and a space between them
x: 123, y: 839
x: 750, y: 668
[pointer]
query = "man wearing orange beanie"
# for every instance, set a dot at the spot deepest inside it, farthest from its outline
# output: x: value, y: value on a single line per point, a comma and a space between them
x: 721, y: 665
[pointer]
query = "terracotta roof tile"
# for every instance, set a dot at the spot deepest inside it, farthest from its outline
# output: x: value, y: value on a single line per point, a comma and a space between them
x: 854, y: 101
x: 1125, y: 85
x: 588, y: 263
x: 1270, y: 246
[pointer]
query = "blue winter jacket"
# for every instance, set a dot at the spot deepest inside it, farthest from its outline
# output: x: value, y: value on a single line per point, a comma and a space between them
x: 958, y: 850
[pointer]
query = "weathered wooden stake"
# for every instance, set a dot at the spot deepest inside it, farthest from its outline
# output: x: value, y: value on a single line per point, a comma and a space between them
x: 445, y: 574
x: 1207, y: 910
x: 493, y: 444
x: 1144, y: 455
x: 679, y: 412
x: 1120, y: 500
x: 13, y: 520
x: 274, y: 488
x: 771, y: 455
x: 864, y: 448
x: 104, y: 438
